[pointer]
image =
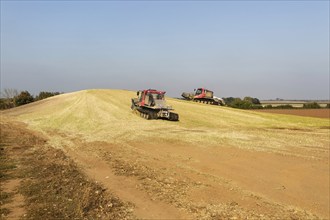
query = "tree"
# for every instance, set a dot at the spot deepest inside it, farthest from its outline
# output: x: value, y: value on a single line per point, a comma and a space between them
x: 23, y: 98
x: 6, y: 103
x: 254, y: 101
x: 44, y: 95
x: 7, y: 98
x: 228, y: 100
x: 311, y: 105
x: 248, y: 99
x: 242, y: 104
x: 9, y: 93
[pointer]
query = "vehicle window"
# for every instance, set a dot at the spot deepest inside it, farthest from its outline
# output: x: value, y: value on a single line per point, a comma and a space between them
x: 157, y: 96
x: 199, y: 91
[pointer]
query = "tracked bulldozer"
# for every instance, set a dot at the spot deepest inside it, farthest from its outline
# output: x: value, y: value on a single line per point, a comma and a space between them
x: 151, y: 104
x: 204, y: 96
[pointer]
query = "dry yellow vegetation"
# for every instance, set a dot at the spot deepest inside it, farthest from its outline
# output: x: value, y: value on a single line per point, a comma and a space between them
x: 214, y: 162
x: 105, y: 115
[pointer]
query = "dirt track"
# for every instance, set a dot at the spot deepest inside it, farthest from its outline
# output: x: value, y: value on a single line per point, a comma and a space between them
x: 208, y: 182
x: 40, y: 182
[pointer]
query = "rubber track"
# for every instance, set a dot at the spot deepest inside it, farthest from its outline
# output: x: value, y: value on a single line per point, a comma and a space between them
x: 149, y: 115
x: 207, y: 102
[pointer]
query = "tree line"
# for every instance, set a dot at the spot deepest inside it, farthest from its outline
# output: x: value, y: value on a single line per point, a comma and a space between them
x: 11, y: 98
x: 254, y: 103
x: 246, y: 103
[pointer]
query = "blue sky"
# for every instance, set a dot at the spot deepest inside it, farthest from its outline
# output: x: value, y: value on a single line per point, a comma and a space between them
x: 264, y: 49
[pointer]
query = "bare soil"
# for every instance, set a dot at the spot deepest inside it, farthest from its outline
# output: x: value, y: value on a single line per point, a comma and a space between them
x: 318, y: 113
x: 157, y: 180
x: 208, y: 182
x: 40, y: 182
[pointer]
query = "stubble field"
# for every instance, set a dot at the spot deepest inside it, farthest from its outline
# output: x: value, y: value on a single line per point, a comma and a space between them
x: 216, y: 162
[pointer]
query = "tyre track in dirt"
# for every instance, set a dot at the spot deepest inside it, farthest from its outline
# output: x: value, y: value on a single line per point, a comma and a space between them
x: 145, y: 207
x: 180, y: 184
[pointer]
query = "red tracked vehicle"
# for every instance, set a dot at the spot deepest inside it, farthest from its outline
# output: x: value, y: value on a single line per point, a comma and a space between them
x: 151, y: 104
x: 204, y: 96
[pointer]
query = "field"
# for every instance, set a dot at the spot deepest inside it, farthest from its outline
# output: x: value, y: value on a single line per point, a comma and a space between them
x: 216, y: 162
x: 319, y: 113
x: 296, y: 104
